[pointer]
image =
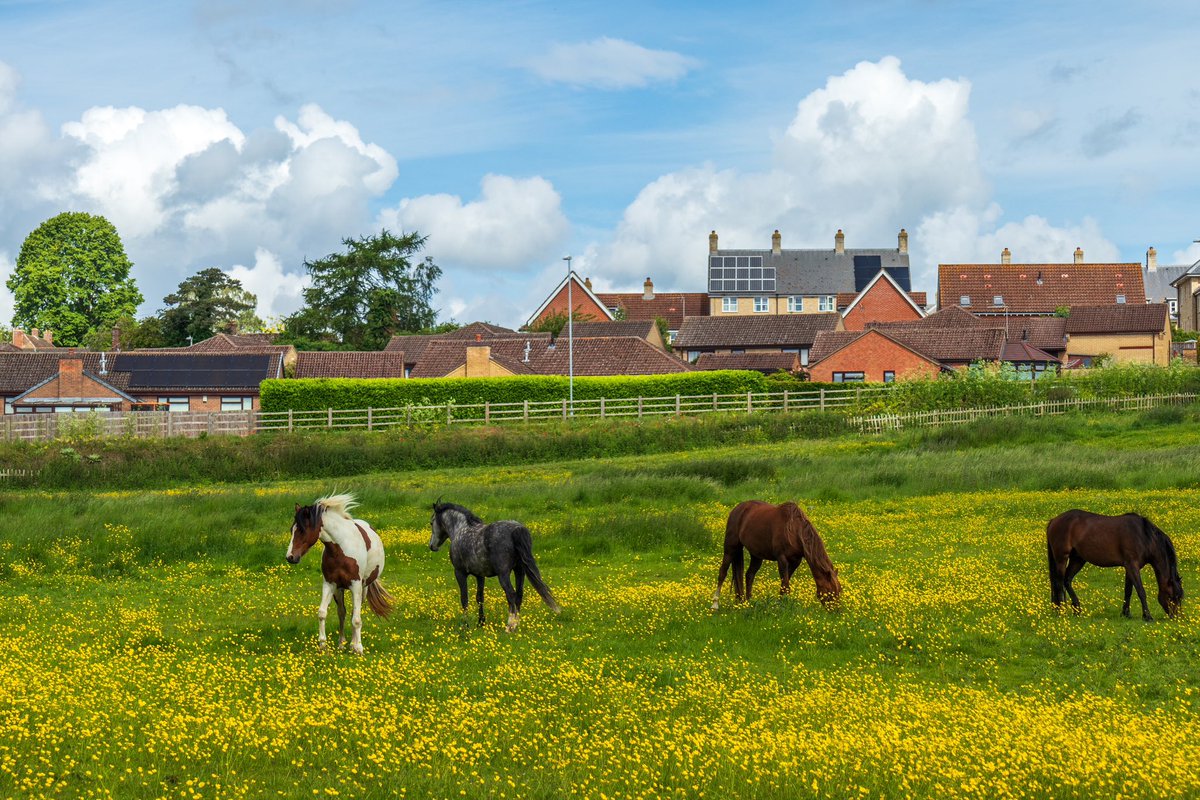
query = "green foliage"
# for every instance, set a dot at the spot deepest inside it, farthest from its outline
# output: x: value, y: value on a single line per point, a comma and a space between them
x: 361, y: 297
x: 205, y: 304
x: 1062, y: 311
x: 71, y: 277
x: 555, y: 323
x: 132, y: 334
x: 621, y: 314
x: 664, y: 329
x: 1184, y: 336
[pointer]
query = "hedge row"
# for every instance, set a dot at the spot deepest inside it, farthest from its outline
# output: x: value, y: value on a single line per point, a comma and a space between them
x: 318, y: 394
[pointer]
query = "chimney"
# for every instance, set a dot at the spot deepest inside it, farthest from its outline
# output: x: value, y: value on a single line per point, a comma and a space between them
x: 34, y: 333
x: 48, y: 335
x: 1078, y: 255
x: 839, y: 242
x: 21, y: 340
x: 70, y: 377
x: 116, y: 339
x: 902, y: 239
x: 479, y: 337
x: 776, y: 242
x: 1006, y: 256
x: 478, y: 357
x: 712, y: 242
x: 1151, y: 259
x: 588, y: 283
x: 648, y: 289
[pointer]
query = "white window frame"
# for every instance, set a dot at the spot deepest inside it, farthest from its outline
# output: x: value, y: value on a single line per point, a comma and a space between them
x: 729, y: 305
x: 795, y: 304
x: 964, y: 300
x: 1120, y: 299
x: 243, y: 403
x: 1173, y: 307
x: 762, y: 304
x: 827, y: 302
x: 174, y: 403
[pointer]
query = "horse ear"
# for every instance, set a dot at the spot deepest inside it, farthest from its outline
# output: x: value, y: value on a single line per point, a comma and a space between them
x: 297, y: 507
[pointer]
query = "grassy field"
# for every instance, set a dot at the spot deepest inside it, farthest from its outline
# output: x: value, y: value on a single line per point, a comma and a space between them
x: 156, y: 644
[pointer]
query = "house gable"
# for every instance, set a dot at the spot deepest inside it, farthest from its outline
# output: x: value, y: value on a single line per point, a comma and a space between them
x: 882, y: 300
x: 870, y: 356
x: 583, y: 299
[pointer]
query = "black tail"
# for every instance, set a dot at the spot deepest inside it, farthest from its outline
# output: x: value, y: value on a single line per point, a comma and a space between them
x: 523, y: 544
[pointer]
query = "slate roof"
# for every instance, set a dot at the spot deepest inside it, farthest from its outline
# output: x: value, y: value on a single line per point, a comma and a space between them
x: 1018, y: 285
x: 671, y: 306
x: 944, y: 345
x: 369, y: 364
x: 1158, y: 282
x: 1148, y: 318
x: 594, y: 356
x: 818, y: 272
x: 765, y: 363
x: 774, y: 330
x: 133, y: 372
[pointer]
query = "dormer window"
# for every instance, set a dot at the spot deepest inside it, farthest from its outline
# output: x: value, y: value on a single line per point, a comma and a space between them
x: 965, y: 300
x: 998, y: 300
x: 1120, y: 299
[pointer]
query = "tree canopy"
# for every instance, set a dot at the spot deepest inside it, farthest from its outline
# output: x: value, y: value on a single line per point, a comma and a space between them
x: 72, y: 277
x: 204, y: 304
x: 362, y: 296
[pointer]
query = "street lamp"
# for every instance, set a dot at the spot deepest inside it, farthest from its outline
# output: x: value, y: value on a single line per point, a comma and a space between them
x: 570, y: 340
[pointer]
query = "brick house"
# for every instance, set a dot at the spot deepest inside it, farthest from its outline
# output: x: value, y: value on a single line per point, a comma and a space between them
x: 343, y: 364
x: 881, y: 300
x: 31, y: 341
x: 885, y: 354
x: 788, y: 333
x: 413, y: 346
x: 1187, y: 288
x: 646, y: 306
x: 1047, y: 334
x: 1130, y: 333
x: 766, y: 363
x: 593, y: 356
x: 70, y: 388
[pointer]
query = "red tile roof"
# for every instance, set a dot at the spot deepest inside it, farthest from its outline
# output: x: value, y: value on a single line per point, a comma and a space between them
x: 765, y: 363
x: 414, y: 345
x: 1045, y: 333
x: 1038, y: 288
x: 642, y: 328
x: 370, y: 364
x: 1141, y: 318
x: 229, y: 342
x: 774, y: 330
x: 945, y: 345
x: 593, y: 356
x: 671, y: 306
x: 1022, y: 351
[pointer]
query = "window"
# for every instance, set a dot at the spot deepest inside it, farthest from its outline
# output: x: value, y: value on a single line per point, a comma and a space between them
x: 8, y: 409
x: 795, y: 304
x: 848, y: 377
x: 737, y: 352
x: 804, y: 356
x: 825, y: 303
x: 175, y: 403
x: 729, y: 305
x: 1120, y: 299
x: 964, y: 300
x: 889, y: 376
x: 237, y: 403
x: 761, y: 305
x: 998, y: 300
x: 739, y: 274
x: 1173, y: 307
x: 693, y: 355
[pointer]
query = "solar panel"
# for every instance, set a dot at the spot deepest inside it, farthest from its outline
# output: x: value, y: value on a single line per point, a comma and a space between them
x: 739, y: 274
x: 865, y: 268
x: 171, y: 370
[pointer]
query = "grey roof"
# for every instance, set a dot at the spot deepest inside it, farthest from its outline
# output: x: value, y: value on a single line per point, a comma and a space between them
x: 816, y: 272
x: 1158, y: 282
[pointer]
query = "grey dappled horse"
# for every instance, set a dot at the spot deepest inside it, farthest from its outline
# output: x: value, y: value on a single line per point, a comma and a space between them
x: 483, y: 550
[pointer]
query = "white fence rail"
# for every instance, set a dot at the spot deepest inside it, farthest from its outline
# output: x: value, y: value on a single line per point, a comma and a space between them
x: 244, y: 423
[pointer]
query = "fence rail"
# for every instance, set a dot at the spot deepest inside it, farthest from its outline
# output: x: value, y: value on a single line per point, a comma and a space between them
x: 245, y: 423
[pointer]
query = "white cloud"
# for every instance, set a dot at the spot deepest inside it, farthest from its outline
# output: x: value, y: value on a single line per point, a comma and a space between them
x: 514, y: 221
x: 313, y: 125
x: 1188, y: 255
x: 279, y: 293
x: 606, y: 63
x: 963, y: 236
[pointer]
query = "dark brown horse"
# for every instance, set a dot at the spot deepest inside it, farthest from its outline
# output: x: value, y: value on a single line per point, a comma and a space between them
x: 775, y: 533
x: 1075, y: 538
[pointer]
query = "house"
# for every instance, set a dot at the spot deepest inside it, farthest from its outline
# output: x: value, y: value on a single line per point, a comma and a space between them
x: 243, y: 343
x: 1160, y: 282
x: 885, y: 354
x: 787, y: 333
x: 176, y: 380
x: 413, y: 346
x: 1130, y: 333
x: 1037, y: 289
x: 647, y: 306
x: 31, y: 341
x: 766, y: 363
x: 361, y: 364
x: 1047, y: 334
x: 643, y: 329
x: 1187, y: 288
x: 592, y: 356
x: 881, y: 300
x: 777, y: 281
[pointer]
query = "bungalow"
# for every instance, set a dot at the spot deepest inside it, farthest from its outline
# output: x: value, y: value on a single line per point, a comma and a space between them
x: 592, y: 356
x: 1130, y: 333
x: 794, y: 333
x: 766, y: 363
x: 888, y: 354
x: 413, y: 346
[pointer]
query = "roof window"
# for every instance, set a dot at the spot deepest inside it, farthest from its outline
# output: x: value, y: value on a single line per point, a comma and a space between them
x: 998, y: 300
x: 965, y: 300
x: 1120, y: 299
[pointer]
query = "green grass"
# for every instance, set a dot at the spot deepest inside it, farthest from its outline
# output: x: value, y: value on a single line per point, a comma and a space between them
x: 158, y: 638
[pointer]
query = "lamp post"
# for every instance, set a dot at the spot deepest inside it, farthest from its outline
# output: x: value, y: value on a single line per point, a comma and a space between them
x: 570, y: 340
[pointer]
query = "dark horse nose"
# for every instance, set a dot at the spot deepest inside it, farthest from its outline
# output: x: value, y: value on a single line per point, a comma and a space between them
x: 293, y: 560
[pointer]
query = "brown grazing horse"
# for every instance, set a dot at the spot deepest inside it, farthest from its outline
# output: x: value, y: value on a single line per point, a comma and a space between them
x: 775, y: 533
x: 1075, y: 538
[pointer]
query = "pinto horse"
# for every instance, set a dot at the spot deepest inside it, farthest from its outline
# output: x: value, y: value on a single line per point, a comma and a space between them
x: 1075, y: 538
x: 353, y: 560
x: 483, y: 550
x: 780, y: 533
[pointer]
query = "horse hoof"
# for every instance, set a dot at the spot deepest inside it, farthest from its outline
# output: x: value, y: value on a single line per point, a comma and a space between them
x: 321, y: 643
x: 358, y: 649
x: 715, y: 606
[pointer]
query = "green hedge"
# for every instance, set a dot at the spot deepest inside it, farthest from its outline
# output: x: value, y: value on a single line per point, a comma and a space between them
x: 318, y: 394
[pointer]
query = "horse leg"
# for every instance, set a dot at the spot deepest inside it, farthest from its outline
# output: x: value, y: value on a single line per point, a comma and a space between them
x: 339, y: 597
x: 785, y: 576
x: 1128, y: 594
x: 739, y: 560
x: 514, y: 616
x: 1136, y: 574
x: 356, y: 595
x: 323, y: 611
x: 725, y: 562
x: 461, y: 577
x: 1073, y: 566
x: 519, y: 571
x: 751, y: 571
x: 479, y: 596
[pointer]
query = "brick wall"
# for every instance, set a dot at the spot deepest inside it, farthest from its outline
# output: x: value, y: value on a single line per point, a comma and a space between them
x: 873, y: 354
x: 881, y: 304
x: 584, y: 306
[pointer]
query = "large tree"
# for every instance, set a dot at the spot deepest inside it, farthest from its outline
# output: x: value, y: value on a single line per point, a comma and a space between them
x: 72, y: 276
x: 376, y: 288
x: 204, y: 304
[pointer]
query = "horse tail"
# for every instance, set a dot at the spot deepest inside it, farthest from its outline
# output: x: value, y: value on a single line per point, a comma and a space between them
x: 379, y: 599
x: 523, y: 544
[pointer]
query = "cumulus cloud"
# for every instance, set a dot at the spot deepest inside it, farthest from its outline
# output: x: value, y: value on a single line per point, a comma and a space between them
x: 6, y: 298
x: 1188, y: 255
x: 279, y: 293
x: 606, y: 63
x: 512, y: 223
x: 964, y: 236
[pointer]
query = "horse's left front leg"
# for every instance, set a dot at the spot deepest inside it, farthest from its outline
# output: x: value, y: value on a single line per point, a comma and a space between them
x: 479, y: 596
x: 785, y: 575
x: 356, y: 594
x: 751, y: 571
x: 514, y: 613
x: 339, y: 597
x: 1135, y: 574
x: 323, y: 611
x: 1128, y: 594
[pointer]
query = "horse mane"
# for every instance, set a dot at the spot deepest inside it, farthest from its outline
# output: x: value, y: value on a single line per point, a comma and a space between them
x: 1158, y: 536
x: 472, y: 519
x: 814, y: 549
x: 339, y: 503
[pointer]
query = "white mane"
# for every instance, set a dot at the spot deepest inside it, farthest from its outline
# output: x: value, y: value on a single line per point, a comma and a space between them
x: 341, y: 503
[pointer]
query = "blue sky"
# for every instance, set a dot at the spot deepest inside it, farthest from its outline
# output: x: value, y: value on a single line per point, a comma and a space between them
x: 250, y: 135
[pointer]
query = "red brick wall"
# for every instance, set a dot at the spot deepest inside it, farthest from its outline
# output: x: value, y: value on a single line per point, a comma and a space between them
x: 584, y: 305
x: 873, y: 354
x: 881, y: 304
x: 72, y: 383
x: 197, y: 402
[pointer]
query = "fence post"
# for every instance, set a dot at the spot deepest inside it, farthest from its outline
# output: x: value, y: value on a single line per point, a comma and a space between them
x: 449, y: 419
x: 639, y: 406
x: 858, y: 395
x: 370, y: 418
x: 564, y: 409
x: 330, y: 420
x: 785, y: 401
x: 714, y: 401
x: 601, y: 408
x: 677, y: 405
x: 822, y: 398
x: 487, y: 412
x: 749, y: 404
x: 170, y: 432
x: 289, y: 420
x: 212, y: 417
x: 527, y: 410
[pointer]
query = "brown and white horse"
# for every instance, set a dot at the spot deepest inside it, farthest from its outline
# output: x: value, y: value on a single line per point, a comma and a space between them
x: 353, y: 560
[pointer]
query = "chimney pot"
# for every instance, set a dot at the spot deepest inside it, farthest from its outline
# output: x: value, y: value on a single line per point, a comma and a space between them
x: 1151, y: 259
x: 776, y: 242
x: 648, y: 289
x: 839, y: 242
x: 902, y: 239
x: 712, y: 242
x: 1006, y: 256
x: 1078, y: 255
x: 479, y: 337
x: 588, y: 283
x: 48, y: 335
x: 34, y: 333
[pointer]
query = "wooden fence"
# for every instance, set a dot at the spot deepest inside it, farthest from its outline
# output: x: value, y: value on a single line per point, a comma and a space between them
x: 244, y: 423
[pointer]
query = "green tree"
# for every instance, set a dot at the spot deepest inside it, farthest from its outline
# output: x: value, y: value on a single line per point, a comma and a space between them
x: 203, y: 305
x: 376, y: 288
x: 555, y: 322
x: 132, y: 334
x: 72, y: 276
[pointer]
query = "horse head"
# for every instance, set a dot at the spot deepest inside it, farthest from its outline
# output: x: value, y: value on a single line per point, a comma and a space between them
x: 306, y: 529
x: 804, y: 536
x: 438, y: 534
x: 1170, y: 585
